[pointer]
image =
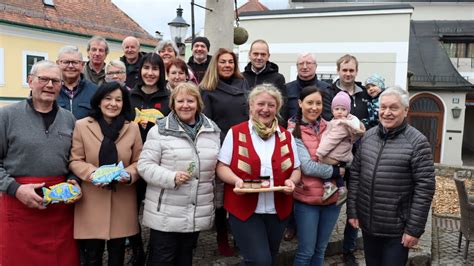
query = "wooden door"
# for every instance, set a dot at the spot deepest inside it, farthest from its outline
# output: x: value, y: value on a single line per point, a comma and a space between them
x: 426, y: 114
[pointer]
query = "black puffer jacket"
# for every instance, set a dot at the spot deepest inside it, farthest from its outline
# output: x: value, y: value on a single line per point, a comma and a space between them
x: 268, y: 75
x: 392, y: 182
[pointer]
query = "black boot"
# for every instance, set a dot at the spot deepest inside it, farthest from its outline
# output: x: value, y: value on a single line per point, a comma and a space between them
x: 91, y: 251
x: 138, y: 253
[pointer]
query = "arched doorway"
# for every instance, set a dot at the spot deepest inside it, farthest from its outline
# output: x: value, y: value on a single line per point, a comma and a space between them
x: 426, y: 114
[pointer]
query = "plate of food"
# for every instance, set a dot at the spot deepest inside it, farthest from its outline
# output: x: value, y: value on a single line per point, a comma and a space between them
x: 257, y: 186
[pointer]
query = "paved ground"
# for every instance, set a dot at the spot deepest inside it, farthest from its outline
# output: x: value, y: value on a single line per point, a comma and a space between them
x: 444, y: 237
x: 445, y: 244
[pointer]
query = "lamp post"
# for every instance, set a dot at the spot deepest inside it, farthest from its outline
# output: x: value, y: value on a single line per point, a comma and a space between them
x: 178, y: 29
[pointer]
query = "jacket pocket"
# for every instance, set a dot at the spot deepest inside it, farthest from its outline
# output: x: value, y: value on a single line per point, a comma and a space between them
x: 160, y: 198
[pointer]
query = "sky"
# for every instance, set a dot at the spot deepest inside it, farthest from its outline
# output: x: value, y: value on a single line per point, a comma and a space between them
x: 153, y: 15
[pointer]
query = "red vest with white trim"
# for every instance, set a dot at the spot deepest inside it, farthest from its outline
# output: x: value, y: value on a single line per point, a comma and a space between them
x: 245, y: 163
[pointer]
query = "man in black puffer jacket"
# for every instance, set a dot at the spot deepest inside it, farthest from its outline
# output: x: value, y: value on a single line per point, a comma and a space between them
x: 260, y: 70
x: 392, y: 184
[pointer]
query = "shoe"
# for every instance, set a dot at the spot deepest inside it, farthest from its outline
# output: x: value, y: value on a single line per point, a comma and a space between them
x: 290, y: 233
x: 349, y: 259
x: 329, y: 190
x: 342, y: 196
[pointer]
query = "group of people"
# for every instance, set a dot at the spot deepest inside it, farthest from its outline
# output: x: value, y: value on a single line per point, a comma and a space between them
x: 214, y: 128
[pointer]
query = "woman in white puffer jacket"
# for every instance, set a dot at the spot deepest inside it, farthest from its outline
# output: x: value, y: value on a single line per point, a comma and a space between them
x: 178, y: 163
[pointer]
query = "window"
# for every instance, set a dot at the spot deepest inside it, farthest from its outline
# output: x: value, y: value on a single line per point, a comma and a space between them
x: 459, y: 49
x: 2, y: 68
x: 29, y: 59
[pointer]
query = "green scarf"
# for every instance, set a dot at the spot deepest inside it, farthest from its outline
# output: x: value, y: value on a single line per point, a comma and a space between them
x: 262, y: 130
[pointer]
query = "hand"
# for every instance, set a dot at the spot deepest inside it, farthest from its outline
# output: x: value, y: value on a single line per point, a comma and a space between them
x: 143, y: 124
x: 181, y: 177
x: 290, y: 186
x: 74, y: 183
x: 125, y: 179
x: 99, y: 185
x: 26, y: 194
x: 354, y: 223
x: 409, y: 241
x: 239, y: 184
x: 342, y: 171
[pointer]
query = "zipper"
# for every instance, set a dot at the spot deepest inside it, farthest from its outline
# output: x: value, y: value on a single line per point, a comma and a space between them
x: 160, y: 198
x: 373, y: 181
x: 70, y: 104
x: 198, y: 166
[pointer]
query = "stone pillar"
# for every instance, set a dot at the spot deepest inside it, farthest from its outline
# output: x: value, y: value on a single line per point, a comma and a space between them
x: 219, y: 24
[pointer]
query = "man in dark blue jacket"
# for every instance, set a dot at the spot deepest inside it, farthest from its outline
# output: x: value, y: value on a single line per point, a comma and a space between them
x: 306, y: 66
x: 76, y: 92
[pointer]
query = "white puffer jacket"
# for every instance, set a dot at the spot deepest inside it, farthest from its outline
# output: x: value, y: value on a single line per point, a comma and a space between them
x: 168, y: 149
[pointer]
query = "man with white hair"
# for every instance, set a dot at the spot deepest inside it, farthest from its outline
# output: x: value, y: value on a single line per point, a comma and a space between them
x: 392, y: 184
x: 131, y: 58
x: 306, y: 66
x: 76, y: 92
x: 35, y: 139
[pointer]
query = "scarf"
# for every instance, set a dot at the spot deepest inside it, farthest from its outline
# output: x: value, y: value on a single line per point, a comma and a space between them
x: 262, y: 130
x: 191, y: 130
x: 108, y: 149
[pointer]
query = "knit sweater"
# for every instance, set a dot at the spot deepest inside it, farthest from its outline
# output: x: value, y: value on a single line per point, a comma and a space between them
x: 27, y: 148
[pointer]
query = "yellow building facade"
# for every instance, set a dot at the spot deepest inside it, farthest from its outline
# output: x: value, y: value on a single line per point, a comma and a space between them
x: 21, y: 46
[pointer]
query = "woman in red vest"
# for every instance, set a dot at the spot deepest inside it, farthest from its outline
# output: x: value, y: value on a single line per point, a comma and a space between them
x: 253, y: 150
x: 315, y: 218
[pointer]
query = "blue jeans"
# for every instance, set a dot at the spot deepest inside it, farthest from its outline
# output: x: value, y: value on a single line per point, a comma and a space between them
x: 258, y: 238
x: 315, y: 224
x: 387, y: 251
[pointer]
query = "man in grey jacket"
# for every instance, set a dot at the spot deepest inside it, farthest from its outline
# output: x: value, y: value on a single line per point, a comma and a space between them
x: 35, y: 139
x: 392, y: 184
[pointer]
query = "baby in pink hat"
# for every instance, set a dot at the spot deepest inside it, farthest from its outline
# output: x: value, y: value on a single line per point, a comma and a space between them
x: 336, y: 143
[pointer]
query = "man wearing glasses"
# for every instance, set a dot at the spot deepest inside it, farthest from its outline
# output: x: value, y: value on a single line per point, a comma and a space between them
x: 306, y: 66
x: 115, y: 70
x: 35, y: 139
x: 76, y: 92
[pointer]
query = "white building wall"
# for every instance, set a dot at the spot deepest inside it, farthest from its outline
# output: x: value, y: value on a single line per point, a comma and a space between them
x: 331, y: 35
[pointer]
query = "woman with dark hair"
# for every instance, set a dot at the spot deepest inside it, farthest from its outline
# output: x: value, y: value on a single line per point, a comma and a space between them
x: 315, y: 218
x: 149, y: 93
x: 224, y: 91
x: 106, y: 211
x: 177, y: 72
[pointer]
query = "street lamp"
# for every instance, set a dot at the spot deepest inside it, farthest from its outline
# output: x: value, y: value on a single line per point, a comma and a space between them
x: 178, y: 29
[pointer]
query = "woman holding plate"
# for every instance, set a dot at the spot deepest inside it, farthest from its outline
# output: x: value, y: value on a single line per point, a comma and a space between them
x: 251, y: 150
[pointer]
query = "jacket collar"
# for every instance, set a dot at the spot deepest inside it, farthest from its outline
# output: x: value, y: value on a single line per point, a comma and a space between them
x: 170, y: 125
x: 94, y: 127
x: 236, y: 88
x: 392, y: 133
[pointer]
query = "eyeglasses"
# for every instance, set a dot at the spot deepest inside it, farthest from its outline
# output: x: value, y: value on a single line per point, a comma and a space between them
x: 300, y: 64
x: 111, y: 73
x: 72, y: 62
x: 45, y: 80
